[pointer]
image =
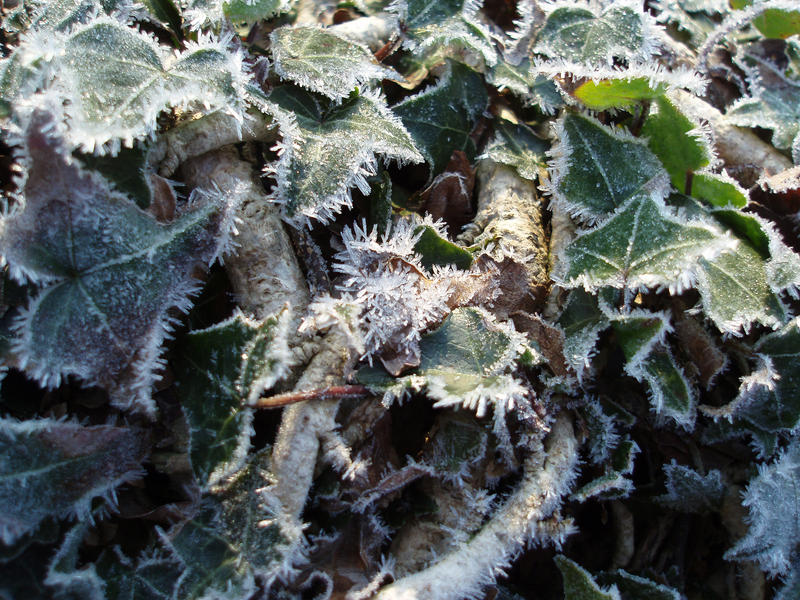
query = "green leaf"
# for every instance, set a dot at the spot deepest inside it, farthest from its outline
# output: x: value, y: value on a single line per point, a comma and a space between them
x: 774, y: 521
x: 597, y: 169
x: 102, y: 309
x: 233, y: 540
x: 464, y: 362
x: 634, y: 587
x: 773, y: 23
x: 671, y: 395
x: 442, y: 117
x: 436, y: 250
x: 582, y: 322
x: 769, y: 398
x: 614, y: 483
x: 331, y: 149
x: 579, y: 583
x: 735, y: 290
x: 689, y: 491
x: 52, y: 468
x: 525, y: 81
x: 718, y: 190
x: 166, y: 12
x: 617, y: 93
x: 593, y: 35
x: 219, y: 371
x: 445, y: 28
x: 519, y: 147
x: 126, y: 171
x: 775, y: 107
x: 323, y: 62
x: 642, y: 246
x: 668, y: 134
x: 147, y: 79
x: 213, y: 13
x: 152, y: 577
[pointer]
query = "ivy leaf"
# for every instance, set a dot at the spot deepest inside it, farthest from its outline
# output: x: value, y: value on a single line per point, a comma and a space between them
x: 634, y: 587
x: 689, y: 491
x: 331, y: 148
x: 770, y: 397
x: 525, y: 81
x: 670, y: 136
x: 775, y: 107
x: 774, y: 523
x: 147, y: 79
x: 126, y: 171
x: 233, y: 540
x: 617, y: 93
x: 203, y: 13
x: 516, y: 145
x: 166, y: 12
x: 614, y: 483
x: 735, y: 290
x: 442, y: 117
x: 579, y: 583
x: 463, y: 362
x: 152, y: 577
x: 55, y: 468
x: 436, y: 250
x: 444, y: 26
x: 582, y: 322
x: 594, y: 35
x: 643, y: 245
x: 323, y: 62
x: 641, y: 335
x: 219, y: 371
x: 595, y: 169
x: 102, y: 309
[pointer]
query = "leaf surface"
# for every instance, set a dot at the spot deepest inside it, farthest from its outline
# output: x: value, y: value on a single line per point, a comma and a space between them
x: 442, y: 117
x: 596, y: 169
x: 219, y: 371
x: 332, y: 149
x: 52, y: 468
x: 107, y: 274
x: 323, y: 62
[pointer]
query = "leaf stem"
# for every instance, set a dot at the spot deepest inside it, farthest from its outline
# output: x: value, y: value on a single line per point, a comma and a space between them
x: 335, y: 392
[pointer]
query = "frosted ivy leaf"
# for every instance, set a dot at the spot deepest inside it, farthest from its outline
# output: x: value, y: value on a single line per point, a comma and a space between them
x: 635, y: 587
x: 52, y: 468
x: 525, y: 81
x: 102, y: 309
x: 769, y: 398
x: 774, y: 523
x: 582, y: 322
x: 218, y: 372
x: 641, y: 335
x: 61, y: 15
x: 617, y: 93
x: 152, y: 577
x: 115, y: 81
x: 450, y: 25
x: 689, y: 491
x: 613, y: 483
x: 687, y: 16
x: 442, y: 117
x: 465, y: 362
x: 233, y: 540
x: 331, y: 149
x: 323, y: 62
x: 519, y: 147
x: 735, y: 291
x: 602, y: 435
x: 596, y: 170
x: 643, y: 245
x: 594, y: 35
x: 579, y: 583
x: 202, y: 13
x: 775, y: 107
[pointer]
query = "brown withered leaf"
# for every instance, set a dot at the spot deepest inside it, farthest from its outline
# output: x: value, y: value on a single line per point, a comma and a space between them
x: 449, y: 196
x: 549, y: 339
x: 707, y: 358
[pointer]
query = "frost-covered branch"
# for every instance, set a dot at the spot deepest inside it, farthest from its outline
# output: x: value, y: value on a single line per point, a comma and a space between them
x: 510, y: 221
x: 547, y: 476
